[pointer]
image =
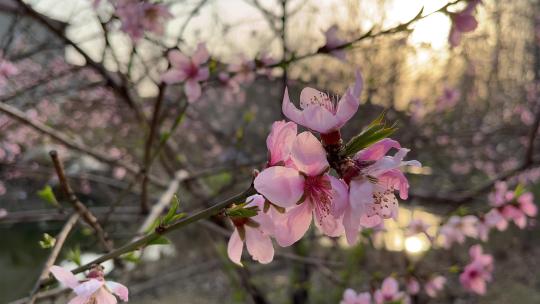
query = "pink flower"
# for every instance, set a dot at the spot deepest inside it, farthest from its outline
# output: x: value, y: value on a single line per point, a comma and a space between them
x: 319, y: 112
x: 305, y: 189
x: 255, y: 232
x: 449, y: 99
x: 333, y: 41
x: 188, y: 70
x: 478, y: 272
x: 434, y: 285
x: 7, y: 69
x: 413, y: 287
x: 351, y: 297
x: 416, y: 226
x: 512, y: 208
x: 501, y: 195
x: 280, y: 141
x: 463, y: 22
x: 457, y: 228
x: 92, y: 290
x: 389, y: 292
x: 140, y: 16
x: 243, y: 69
x: 372, y: 185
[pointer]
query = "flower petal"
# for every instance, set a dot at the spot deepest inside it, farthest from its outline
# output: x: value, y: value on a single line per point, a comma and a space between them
x: 235, y: 247
x: 88, y: 288
x: 298, y: 222
x: 321, y: 120
x: 178, y: 60
x: 390, y: 286
x: 377, y: 150
x: 348, y: 104
x: 308, y: 154
x: 105, y: 297
x: 193, y: 90
x: 340, y: 196
x: 201, y: 54
x: 291, y: 111
x: 328, y: 224
x: 280, y: 185
x: 173, y: 76
x: 259, y: 245
x: 465, y: 22
x: 202, y: 74
x: 118, y: 289
x: 64, y: 276
x: 79, y: 300
x: 280, y: 141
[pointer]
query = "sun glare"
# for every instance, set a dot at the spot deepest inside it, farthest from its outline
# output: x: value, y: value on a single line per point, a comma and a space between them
x: 415, y: 245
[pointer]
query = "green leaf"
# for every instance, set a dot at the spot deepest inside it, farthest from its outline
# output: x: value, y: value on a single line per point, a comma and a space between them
x: 520, y: 189
x: 175, y: 203
x: 374, y: 132
x: 241, y: 211
x: 454, y: 269
x: 161, y: 240
x: 131, y: 257
x: 74, y: 255
x: 165, y: 136
x: 154, y: 225
x: 47, y: 241
x: 47, y: 195
x: 178, y: 216
x: 249, y: 116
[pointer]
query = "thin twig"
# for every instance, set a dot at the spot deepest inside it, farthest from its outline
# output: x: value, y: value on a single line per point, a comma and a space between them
x: 143, y: 241
x: 83, y: 211
x: 148, y: 147
x: 70, y: 143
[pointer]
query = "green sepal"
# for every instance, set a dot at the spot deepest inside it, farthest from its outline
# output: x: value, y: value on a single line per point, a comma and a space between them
x: 374, y: 132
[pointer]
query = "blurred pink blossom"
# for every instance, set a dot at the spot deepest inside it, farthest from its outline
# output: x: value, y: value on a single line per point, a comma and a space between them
x: 140, y: 16
x: 333, y: 41
x: 413, y: 286
x: 389, y: 292
x: 457, y: 228
x: 351, y: 297
x: 416, y: 226
x: 434, y: 285
x: 478, y: 271
x: 449, y: 99
x: 463, y: 22
x: 188, y: 70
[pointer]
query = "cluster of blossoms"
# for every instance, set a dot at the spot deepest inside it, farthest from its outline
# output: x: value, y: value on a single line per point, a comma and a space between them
x: 7, y: 69
x: 516, y: 206
x: 478, y: 271
x: 297, y: 185
x: 463, y: 22
x: 138, y: 17
x: 94, y: 289
x: 473, y: 278
x: 507, y: 206
x: 388, y: 293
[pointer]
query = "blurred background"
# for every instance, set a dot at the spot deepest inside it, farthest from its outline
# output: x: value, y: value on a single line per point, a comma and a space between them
x: 467, y: 112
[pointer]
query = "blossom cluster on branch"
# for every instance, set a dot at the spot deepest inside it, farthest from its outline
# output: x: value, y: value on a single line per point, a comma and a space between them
x: 307, y: 178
